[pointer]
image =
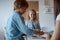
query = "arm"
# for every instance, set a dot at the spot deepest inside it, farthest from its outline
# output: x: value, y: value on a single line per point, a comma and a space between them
x: 22, y: 27
x: 56, y: 34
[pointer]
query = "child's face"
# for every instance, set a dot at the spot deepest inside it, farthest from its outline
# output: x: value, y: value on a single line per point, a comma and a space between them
x: 32, y: 15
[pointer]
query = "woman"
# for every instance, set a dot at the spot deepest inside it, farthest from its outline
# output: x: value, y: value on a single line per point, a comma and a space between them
x: 15, y: 25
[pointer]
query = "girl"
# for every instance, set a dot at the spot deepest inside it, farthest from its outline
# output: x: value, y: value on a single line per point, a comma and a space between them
x: 32, y: 23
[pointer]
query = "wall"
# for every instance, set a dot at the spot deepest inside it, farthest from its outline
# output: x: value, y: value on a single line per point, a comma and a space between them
x: 6, y: 7
x: 46, y: 18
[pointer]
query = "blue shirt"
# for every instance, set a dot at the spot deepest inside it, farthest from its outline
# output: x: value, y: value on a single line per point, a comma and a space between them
x: 15, y: 27
x: 34, y: 25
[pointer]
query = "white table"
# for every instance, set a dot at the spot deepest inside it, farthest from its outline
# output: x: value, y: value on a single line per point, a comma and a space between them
x: 34, y: 38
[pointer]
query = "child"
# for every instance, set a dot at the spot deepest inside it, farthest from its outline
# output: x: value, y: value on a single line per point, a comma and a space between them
x: 32, y: 23
x: 15, y: 25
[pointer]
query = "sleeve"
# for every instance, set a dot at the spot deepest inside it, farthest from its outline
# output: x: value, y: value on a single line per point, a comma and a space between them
x: 58, y: 17
x: 22, y: 27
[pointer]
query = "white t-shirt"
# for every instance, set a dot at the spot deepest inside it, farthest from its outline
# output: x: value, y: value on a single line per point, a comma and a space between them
x: 58, y: 17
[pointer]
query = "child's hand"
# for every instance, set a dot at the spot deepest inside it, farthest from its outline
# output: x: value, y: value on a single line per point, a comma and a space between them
x: 39, y: 32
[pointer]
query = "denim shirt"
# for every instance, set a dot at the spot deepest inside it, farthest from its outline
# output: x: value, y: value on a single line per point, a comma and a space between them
x: 15, y: 27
